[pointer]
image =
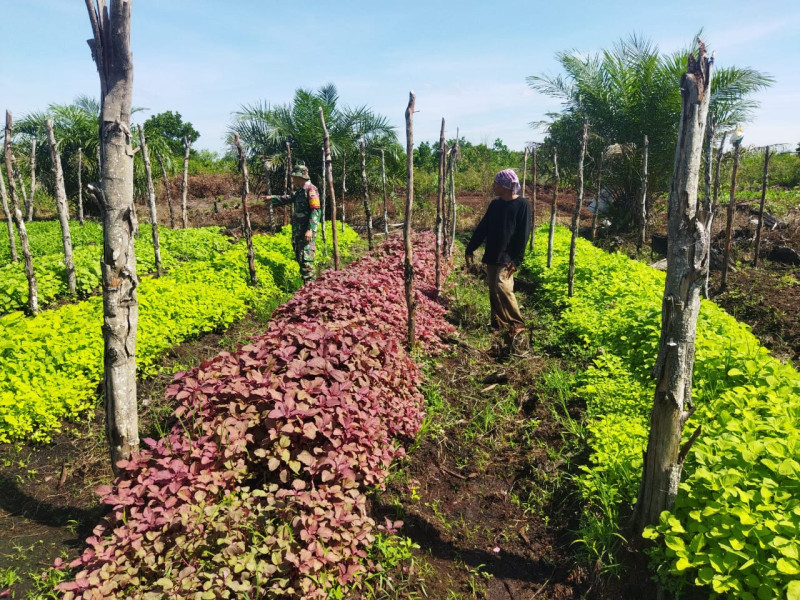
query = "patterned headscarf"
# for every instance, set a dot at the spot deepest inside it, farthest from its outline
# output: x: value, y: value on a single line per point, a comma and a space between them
x: 508, y: 179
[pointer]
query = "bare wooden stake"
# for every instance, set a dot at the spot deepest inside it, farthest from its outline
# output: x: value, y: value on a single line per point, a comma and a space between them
x: 525, y: 170
x: 167, y: 191
x: 111, y: 52
x: 643, y: 204
x: 151, y: 200
x: 329, y: 176
x: 452, y: 164
x: 408, y: 267
x: 713, y: 210
x: 533, y: 199
x: 576, y: 216
x: 31, y: 206
x: 187, y: 146
x: 761, y: 206
x: 737, y: 147
x: 248, y: 230
x: 80, y: 186
x: 62, y: 208
x: 9, y: 220
x: 344, y: 186
x: 553, y: 210
x: 288, y: 211
x: 324, y: 189
x: 268, y: 191
x: 26, y: 205
x: 596, y: 215
x: 367, y: 209
x: 687, y: 260
x: 383, y: 183
x: 33, y: 292
x: 440, y: 194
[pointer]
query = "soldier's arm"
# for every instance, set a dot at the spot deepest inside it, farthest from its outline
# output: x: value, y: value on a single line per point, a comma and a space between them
x: 316, y: 210
x: 278, y: 200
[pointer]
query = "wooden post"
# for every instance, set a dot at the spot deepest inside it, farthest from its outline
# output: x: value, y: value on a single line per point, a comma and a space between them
x: 596, y: 215
x: 344, y: 186
x: 187, y: 146
x: 439, y: 207
x: 248, y: 230
x: 707, y: 163
x: 168, y: 192
x: 524, y: 170
x: 268, y: 191
x: 686, y: 265
x: 62, y: 208
x: 454, y: 154
x: 151, y: 199
x: 31, y: 205
x: 33, y: 293
x: 737, y: 146
x: 26, y: 205
x: 111, y: 52
x: 288, y: 211
x: 408, y: 265
x: 533, y: 198
x: 761, y: 206
x: 713, y: 210
x: 383, y: 183
x: 576, y: 216
x: 643, y: 205
x: 553, y: 210
x: 324, y: 189
x: 367, y: 208
x: 329, y: 176
x: 80, y: 186
x: 9, y: 220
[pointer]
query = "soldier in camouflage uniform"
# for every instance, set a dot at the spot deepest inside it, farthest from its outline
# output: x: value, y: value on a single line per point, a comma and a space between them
x: 305, y: 219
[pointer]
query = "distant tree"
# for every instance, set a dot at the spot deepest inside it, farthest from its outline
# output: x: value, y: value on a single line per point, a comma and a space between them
x: 170, y: 127
x: 629, y: 91
x: 797, y: 151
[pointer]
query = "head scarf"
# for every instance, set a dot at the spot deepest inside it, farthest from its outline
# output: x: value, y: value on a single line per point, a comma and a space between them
x: 508, y: 179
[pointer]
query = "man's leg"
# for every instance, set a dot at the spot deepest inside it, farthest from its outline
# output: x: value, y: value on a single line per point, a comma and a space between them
x: 306, y: 260
x: 493, y: 276
x: 508, y: 302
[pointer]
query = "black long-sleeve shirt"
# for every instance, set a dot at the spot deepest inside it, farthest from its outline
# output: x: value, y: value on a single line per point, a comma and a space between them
x: 505, y: 227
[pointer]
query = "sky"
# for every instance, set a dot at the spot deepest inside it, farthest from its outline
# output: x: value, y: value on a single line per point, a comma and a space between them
x: 466, y: 61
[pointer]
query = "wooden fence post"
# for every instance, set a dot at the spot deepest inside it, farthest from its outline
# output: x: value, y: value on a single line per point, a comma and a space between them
x: 248, y: 230
x: 737, y: 148
x: 187, y: 146
x: 367, y: 209
x: 329, y: 170
x: 383, y: 183
x: 9, y: 220
x: 151, y: 199
x: 643, y: 207
x: 344, y: 187
x: 411, y: 303
x: 324, y: 190
x: 454, y: 154
x: 80, y: 186
x: 576, y: 216
x: 553, y: 210
x: 761, y: 206
x: 62, y: 208
x: 34, y: 139
x: 596, y: 215
x: 533, y: 198
x: 440, y: 194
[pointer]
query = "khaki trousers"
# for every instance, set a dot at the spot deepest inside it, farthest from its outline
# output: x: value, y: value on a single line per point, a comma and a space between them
x: 505, y: 310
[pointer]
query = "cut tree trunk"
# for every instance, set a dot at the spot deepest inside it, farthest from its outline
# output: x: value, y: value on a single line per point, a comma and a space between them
x: 533, y: 199
x: 187, y: 146
x: 324, y: 189
x: 168, y: 192
x: 760, y: 225
x: 33, y: 292
x: 553, y: 210
x: 723, y: 284
x: 713, y: 210
x: 62, y: 208
x: 151, y: 200
x: 344, y: 187
x: 329, y: 176
x: 453, y: 209
x: 440, y: 191
x: 408, y: 265
x: 112, y: 54
x: 268, y: 191
x: 367, y: 209
x: 687, y: 261
x: 9, y: 220
x: 643, y: 205
x: 248, y: 230
x: 31, y: 206
x: 80, y: 186
x: 576, y: 216
x: 383, y: 183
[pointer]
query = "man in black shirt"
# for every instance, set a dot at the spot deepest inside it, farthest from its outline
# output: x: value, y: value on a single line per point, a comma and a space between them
x: 505, y: 228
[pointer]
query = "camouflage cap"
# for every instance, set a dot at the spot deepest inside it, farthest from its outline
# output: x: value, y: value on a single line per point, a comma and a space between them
x: 301, y: 171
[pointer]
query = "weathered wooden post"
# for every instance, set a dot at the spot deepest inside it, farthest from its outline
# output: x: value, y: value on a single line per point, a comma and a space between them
x: 187, y: 146
x: 643, y: 205
x: 761, y: 206
x: 80, y: 186
x: 26, y: 205
x: 324, y: 189
x: 9, y: 220
x: 533, y: 198
x: 61, y: 207
x: 687, y: 261
x: 553, y: 210
x: 454, y: 154
x: 344, y: 186
x: 151, y: 199
x: 111, y: 52
x: 383, y: 183
x: 329, y: 176
x: 34, y: 140
x: 524, y: 169
x: 408, y: 265
x: 33, y: 292
x: 439, y: 206
x: 713, y: 210
x: 737, y: 148
x: 576, y: 216
x: 288, y: 211
x: 367, y: 209
x: 596, y: 215
x: 267, y: 164
x: 248, y: 230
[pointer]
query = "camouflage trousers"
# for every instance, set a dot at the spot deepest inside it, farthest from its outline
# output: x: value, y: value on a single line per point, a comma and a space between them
x: 304, y: 255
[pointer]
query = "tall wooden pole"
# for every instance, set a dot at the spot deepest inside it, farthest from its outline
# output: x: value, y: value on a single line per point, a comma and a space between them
x: 9, y: 220
x: 344, y: 187
x: 111, y: 52
x: 576, y: 216
x: 596, y: 215
x: 713, y: 210
x: 27, y: 205
x: 453, y: 162
x: 643, y: 205
x: 761, y: 206
x: 524, y: 170
x: 80, y: 186
x: 737, y: 146
x: 248, y: 230
x: 151, y: 200
x: 686, y: 265
x: 187, y: 146
x: 268, y: 191
x: 440, y: 192
x: 324, y: 189
x: 31, y: 205
x: 533, y: 199
x: 367, y: 209
x: 61, y: 207
x: 383, y: 183
x: 288, y: 211
x: 33, y: 290
x: 329, y: 176
x: 167, y: 190
x: 408, y: 265
x: 553, y: 210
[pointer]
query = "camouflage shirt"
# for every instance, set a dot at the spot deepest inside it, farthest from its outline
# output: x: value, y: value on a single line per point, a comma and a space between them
x: 307, y: 210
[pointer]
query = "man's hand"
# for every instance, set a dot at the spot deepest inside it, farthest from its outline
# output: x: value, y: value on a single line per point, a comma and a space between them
x: 510, y: 268
x: 309, y: 236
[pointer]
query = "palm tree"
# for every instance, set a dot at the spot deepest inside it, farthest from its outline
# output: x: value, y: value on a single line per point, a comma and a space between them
x: 630, y: 91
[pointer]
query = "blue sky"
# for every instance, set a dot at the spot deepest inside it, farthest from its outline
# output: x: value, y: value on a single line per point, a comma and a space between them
x: 466, y: 61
